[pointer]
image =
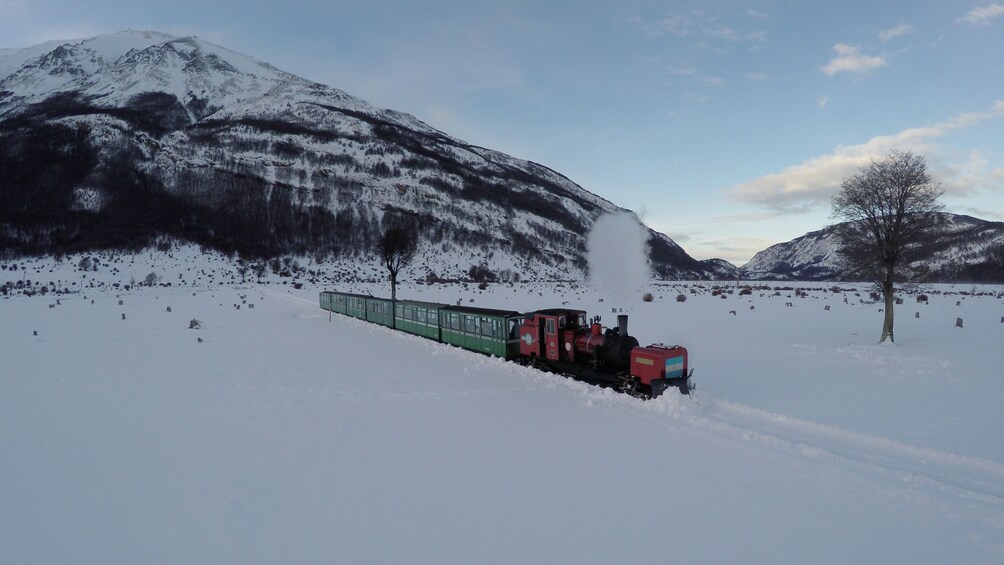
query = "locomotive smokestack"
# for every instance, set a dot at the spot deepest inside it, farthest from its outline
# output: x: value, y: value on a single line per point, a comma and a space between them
x: 622, y: 324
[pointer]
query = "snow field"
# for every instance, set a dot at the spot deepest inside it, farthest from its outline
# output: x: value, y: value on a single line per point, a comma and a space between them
x: 286, y: 437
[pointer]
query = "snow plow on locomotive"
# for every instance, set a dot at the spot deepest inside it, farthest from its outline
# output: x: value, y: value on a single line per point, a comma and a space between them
x: 558, y: 340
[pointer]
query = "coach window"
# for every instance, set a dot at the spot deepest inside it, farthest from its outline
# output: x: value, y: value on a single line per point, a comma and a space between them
x: 455, y: 322
x: 471, y: 324
x: 400, y: 311
x: 550, y: 326
x: 561, y: 322
x: 420, y: 314
x: 486, y: 328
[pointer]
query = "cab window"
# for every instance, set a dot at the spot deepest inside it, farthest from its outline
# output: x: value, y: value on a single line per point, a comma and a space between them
x: 550, y: 326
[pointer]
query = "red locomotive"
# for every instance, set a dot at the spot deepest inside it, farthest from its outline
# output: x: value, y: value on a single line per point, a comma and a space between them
x: 562, y: 341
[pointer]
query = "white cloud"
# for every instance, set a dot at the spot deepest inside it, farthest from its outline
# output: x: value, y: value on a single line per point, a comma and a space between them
x: 848, y: 59
x: 700, y: 25
x: 757, y: 76
x: 822, y: 101
x: 724, y: 32
x: 982, y: 16
x: 686, y: 71
x: 896, y: 31
x: 736, y: 250
x: 967, y: 178
x: 678, y: 26
x: 692, y: 72
x: 981, y: 213
x: 801, y: 187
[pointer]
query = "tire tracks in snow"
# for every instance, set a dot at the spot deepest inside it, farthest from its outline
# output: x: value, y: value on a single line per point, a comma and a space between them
x: 967, y: 477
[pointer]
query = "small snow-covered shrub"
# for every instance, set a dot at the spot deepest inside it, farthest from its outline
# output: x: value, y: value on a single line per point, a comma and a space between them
x: 195, y: 324
x: 647, y: 297
x: 681, y: 297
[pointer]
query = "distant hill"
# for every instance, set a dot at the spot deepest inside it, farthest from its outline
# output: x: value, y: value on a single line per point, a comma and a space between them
x: 119, y: 140
x: 967, y: 249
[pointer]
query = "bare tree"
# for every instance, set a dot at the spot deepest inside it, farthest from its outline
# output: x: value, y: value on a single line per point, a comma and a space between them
x: 890, y: 208
x: 397, y: 249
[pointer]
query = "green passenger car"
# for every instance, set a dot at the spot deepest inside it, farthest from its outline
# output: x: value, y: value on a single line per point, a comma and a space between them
x: 485, y: 330
x: 327, y: 300
x: 355, y: 305
x: 419, y: 318
x: 380, y: 311
x: 337, y: 302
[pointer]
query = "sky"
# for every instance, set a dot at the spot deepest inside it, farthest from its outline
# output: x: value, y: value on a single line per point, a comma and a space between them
x: 726, y: 125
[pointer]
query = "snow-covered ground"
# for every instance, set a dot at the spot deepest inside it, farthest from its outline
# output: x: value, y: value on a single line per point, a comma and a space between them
x: 286, y: 437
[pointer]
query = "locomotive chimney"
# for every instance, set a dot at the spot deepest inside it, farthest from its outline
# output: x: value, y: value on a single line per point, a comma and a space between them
x: 622, y: 324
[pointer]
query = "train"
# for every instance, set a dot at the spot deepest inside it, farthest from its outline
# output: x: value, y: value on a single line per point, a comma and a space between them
x: 558, y: 340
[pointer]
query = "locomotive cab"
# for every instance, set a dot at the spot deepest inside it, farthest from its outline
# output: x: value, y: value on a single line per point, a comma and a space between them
x: 550, y: 334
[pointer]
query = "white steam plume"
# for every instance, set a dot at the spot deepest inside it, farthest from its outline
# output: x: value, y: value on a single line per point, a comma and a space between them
x: 618, y: 254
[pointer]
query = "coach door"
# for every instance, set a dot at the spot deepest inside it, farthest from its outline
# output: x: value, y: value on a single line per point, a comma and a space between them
x: 551, y: 338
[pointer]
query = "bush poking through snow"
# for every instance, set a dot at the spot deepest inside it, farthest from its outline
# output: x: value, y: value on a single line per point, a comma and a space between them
x: 647, y: 297
x: 681, y: 297
x: 195, y: 324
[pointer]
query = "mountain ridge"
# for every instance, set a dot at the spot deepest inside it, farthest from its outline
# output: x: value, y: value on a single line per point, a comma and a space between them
x: 965, y: 249
x: 248, y: 158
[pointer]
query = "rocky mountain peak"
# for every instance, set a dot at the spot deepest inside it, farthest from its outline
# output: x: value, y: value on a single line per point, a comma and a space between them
x: 175, y: 136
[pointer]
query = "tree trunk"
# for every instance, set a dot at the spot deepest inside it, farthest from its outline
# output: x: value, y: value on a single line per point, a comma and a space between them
x: 393, y: 299
x: 890, y: 301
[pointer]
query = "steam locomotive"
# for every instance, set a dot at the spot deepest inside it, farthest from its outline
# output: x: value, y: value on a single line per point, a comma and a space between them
x: 559, y: 340
x: 562, y: 341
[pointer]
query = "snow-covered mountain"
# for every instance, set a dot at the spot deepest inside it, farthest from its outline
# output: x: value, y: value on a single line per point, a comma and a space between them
x: 120, y: 139
x: 966, y: 249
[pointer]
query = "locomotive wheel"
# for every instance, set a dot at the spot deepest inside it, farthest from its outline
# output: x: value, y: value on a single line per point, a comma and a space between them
x: 630, y: 386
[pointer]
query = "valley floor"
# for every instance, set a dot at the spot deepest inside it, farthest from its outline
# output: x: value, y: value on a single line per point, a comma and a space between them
x: 288, y: 437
